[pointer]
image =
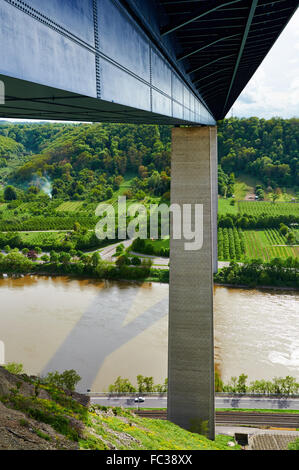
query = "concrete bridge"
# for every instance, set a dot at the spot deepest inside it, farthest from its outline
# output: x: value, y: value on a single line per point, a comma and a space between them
x: 182, y: 63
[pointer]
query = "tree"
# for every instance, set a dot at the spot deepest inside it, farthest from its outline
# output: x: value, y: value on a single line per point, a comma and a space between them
x: 66, y: 380
x: 283, y: 229
x: 65, y: 258
x: 10, y: 193
x: 145, y: 384
x: 135, y: 261
x: 121, y: 261
x: 291, y: 239
x: 122, y: 386
x: 77, y: 227
x: 54, y: 257
x: 241, y: 384
x: 109, y: 193
x: 95, y: 259
x: 274, y: 197
x: 70, y: 379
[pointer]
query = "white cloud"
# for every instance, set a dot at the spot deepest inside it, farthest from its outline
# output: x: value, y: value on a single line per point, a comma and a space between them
x: 274, y: 89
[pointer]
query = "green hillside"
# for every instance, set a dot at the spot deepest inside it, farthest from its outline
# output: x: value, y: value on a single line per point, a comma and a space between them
x: 89, y: 160
x: 45, y: 416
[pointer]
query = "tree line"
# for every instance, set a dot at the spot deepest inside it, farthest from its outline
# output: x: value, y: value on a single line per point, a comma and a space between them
x: 267, y: 148
x: 90, y: 160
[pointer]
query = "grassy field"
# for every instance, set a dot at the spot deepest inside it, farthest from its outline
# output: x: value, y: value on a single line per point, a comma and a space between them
x: 225, y: 206
x: 243, y: 187
x: 159, y: 244
x: 155, y: 434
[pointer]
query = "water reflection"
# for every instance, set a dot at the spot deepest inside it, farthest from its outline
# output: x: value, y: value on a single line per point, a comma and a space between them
x: 106, y: 329
x: 106, y: 326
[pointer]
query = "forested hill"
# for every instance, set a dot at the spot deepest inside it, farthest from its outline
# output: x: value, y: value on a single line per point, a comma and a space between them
x: 267, y: 148
x: 91, y: 158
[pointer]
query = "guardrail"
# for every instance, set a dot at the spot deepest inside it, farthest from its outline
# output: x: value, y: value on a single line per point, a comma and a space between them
x: 164, y: 395
x: 125, y: 395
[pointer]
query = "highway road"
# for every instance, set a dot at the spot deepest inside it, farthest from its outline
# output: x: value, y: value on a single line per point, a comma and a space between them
x: 221, y: 402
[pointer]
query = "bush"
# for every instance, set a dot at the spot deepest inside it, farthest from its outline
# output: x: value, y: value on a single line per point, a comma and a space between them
x: 135, y: 261
x: 294, y: 445
x: 14, y: 368
x: 10, y: 193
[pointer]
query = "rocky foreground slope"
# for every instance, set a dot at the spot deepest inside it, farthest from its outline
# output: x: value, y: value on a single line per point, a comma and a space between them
x: 36, y: 416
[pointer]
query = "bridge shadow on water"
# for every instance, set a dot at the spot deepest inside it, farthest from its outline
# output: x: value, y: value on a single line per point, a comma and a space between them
x: 102, y: 329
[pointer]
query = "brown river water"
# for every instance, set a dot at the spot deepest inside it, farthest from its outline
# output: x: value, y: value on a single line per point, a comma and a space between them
x: 110, y: 329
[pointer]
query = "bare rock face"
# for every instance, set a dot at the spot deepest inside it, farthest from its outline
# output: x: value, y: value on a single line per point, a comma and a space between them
x: 84, y: 400
x: 10, y: 381
x: 18, y: 432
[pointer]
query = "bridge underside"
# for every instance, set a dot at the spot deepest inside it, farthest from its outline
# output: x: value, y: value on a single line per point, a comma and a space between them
x: 149, y: 61
x: 29, y: 100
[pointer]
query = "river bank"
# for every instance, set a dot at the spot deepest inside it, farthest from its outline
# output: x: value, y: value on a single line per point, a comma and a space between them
x: 139, y: 281
x: 149, y: 279
x: 254, y: 273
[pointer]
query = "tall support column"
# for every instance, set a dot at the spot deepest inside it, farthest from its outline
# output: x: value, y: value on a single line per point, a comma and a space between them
x: 214, y: 188
x: 191, y: 337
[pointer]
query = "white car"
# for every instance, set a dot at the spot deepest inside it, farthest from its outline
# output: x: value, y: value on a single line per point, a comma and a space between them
x: 139, y: 400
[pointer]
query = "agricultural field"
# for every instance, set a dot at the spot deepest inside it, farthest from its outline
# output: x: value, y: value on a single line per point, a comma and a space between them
x: 41, y: 239
x: 257, y: 208
x: 70, y: 206
x: 236, y: 244
x: 41, y: 223
x: 231, y: 244
x: 268, y: 244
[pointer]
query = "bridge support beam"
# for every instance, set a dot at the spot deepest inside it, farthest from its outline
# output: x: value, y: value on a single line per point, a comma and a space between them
x: 191, y: 336
x: 214, y: 189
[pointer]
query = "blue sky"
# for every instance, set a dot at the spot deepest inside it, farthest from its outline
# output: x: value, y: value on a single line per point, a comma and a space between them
x: 274, y: 89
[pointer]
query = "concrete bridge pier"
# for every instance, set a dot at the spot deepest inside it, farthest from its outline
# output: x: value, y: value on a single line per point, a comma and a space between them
x: 191, y: 336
